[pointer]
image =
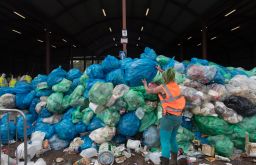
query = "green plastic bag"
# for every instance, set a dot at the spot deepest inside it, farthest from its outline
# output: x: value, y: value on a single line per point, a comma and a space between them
x: 213, y: 125
x: 66, y: 102
x: 63, y: 86
x: 184, y: 135
x: 163, y: 60
x: 109, y: 117
x: 141, y: 89
x: 148, y: 120
x: 76, y: 96
x: 222, y: 144
x: 134, y: 100
x: 100, y: 93
x: 87, y: 115
x: 119, y: 105
x: 248, y: 124
x: 150, y: 106
x: 179, y: 78
x: 83, y: 79
x: 158, y: 79
x: 54, y: 103
x: 77, y: 115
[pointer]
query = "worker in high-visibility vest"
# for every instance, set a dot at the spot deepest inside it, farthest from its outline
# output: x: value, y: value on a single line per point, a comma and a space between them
x: 12, y: 82
x: 173, y: 104
x: 3, y: 81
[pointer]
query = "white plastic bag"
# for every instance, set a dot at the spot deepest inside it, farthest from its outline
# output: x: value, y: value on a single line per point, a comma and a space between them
x: 228, y: 114
x: 52, y: 119
x: 103, y: 134
x: 4, y: 160
x: 35, y: 146
x: 120, y: 90
x: 155, y: 157
x: 7, y: 101
x: 96, y: 108
x: 133, y: 144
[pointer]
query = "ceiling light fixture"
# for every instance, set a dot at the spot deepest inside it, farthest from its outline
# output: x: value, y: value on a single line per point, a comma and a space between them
x: 114, y: 38
x: 213, y: 38
x: 179, y: 44
x: 53, y: 46
x: 18, y: 14
x: 115, y: 44
x: 16, y: 31
x: 147, y: 11
x: 104, y: 12
x: 189, y: 38
x: 141, y: 28
x: 74, y: 46
x: 110, y: 29
x: 199, y: 44
x: 64, y: 40
x: 235, y: 28
x: 39, y: 40
x: 232, y: 11
x: 139, y: 38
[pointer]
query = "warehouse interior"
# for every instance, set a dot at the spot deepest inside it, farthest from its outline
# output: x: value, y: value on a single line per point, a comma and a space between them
x: 82, y: 32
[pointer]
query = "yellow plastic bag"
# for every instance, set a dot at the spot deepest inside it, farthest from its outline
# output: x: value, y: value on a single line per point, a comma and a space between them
x: 12, y: 82
x: 26, y: 78
x: 3, y: 81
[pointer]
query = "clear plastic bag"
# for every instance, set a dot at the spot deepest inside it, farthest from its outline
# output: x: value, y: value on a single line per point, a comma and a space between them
x: 227, y: 114
x: 202, y: 74
x: 100, y: 93
x: 102, y: 135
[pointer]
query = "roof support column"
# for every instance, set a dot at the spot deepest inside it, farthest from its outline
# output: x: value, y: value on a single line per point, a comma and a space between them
x: 47, y: 48
x: 124, y: 22
x: 204, y: 41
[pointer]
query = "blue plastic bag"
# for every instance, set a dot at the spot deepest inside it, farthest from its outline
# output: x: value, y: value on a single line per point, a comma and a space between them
x: 4, y: 128
x: 87, y: 143
x: 75, y: 83
x: 95, y: 124
x: 169, y: 65
x: 58, y: 144
x: 151, y: 137
x: 235, y: 72
x: 199, y: 61
x: 29, y: 97
x: 65, y: 130
x: 19, y: 101
x: 149, y: 54
x: 74, y: 74
x: 44, y: 113
x: 22, y: 87
x: 138, y: 70
x: 68, y: 114
x: 48, y: 129
x: 32, y: 107
x: 219, y: 76
x: 116, y: 77
x: 38, y: 79
x: 4, y: 90
x: 30, y: 127
x: 128, y: 125
x: 124, y: 62
x: 56, y: 76
x: 110, y: 63
x: 43, y: 92
x: 95, y: 71
x: 80, y: 127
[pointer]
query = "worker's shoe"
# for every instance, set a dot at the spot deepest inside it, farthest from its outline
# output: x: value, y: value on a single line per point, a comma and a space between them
x: 164, y: 161
x: 173, y: 160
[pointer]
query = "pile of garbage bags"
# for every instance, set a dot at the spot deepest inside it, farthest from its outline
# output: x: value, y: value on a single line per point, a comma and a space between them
x: 107, y: 103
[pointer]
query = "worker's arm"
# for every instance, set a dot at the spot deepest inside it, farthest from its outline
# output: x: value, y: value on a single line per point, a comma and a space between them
x: 159, y: 69
x: 154, y: 90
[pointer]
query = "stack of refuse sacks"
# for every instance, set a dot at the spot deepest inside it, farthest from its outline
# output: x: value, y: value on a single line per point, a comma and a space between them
x: 107, y: 103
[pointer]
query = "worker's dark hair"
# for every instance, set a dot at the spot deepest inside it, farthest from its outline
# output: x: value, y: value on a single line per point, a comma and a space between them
x: 168, y: 75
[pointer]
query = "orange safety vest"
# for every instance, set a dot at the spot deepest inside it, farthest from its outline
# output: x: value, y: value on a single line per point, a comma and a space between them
x: 173, y: 103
